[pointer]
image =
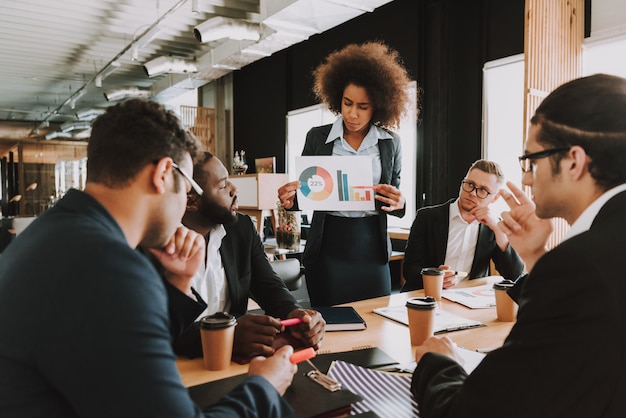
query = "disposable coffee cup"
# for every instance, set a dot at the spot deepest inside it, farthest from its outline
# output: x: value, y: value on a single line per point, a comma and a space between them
x: 433, y: 281
x: 506, y: 308
x: 218, y: 333
x: 421, y: 318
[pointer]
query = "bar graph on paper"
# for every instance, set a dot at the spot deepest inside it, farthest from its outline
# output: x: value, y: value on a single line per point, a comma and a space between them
x: 347, y: 192
x: 335, y: 183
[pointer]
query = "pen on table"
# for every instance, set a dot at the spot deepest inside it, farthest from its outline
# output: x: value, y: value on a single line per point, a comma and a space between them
x: 478, y: 350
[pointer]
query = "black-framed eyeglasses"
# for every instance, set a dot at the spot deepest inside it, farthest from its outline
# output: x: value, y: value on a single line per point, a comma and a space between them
x: 194, y: 186
x: 470, y: 186
x: 527, y: 162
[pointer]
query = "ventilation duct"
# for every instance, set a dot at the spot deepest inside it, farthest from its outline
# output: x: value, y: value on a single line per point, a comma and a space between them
x: 89, y: 114
x: 75, y: 126
x: 56, y: 134
x: 166, y: 65
x: 223, y: 27
x: 125, y: 93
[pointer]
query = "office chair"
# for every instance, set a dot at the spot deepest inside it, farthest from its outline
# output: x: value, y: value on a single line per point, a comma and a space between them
x: 290, y: 271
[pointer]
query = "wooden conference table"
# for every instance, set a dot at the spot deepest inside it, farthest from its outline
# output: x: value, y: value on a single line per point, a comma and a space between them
x: 388, y: 335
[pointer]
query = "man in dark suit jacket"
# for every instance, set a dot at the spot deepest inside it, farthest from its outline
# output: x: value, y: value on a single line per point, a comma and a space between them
x: 84, y: 329
x: 566, y: 354
x: 235, y: 269
x: 462, y: 233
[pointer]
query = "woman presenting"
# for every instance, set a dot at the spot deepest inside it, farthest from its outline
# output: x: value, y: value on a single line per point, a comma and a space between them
x: 347, y: 253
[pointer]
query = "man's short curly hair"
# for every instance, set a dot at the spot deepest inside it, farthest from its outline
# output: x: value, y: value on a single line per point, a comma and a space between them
x: 131, y: 135
x: 372, y: 65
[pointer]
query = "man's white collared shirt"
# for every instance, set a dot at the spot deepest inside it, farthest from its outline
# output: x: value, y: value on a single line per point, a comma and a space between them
x: 210, y: 279
x: 462, y: 238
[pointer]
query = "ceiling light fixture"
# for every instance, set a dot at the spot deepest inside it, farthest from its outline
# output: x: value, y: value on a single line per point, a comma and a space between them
x: 223, y: 27
x: 114, y: 65
x: 166, y: 65
x: 125, y: 93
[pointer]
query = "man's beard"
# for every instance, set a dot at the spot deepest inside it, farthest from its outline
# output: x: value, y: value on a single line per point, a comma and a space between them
x: 217, y: 214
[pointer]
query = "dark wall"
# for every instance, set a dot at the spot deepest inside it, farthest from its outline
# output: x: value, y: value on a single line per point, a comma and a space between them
x: 444, y: 44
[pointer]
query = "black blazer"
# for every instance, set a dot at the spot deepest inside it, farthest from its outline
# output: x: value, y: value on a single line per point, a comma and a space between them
x: 391, y: 162
x: 248, y: 274
x: 428, y: 241
x: 566, y: 354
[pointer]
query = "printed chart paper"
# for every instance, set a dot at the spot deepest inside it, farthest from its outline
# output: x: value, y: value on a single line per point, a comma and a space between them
x: 335, y: 183
x: 444, y: 321
x: 477, y: 297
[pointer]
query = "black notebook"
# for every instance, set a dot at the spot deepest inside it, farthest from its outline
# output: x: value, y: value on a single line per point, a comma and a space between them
x: 370, y: 357
x: 341, y: 318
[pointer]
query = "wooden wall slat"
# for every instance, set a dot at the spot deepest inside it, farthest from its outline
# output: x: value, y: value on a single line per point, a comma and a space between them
x: 553, y: 36
x: 200, y: 121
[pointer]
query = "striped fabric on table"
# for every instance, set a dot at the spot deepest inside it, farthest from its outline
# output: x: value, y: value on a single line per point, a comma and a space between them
x: 386, y: 394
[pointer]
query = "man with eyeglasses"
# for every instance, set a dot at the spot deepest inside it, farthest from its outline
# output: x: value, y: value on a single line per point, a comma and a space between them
x: 462, y: 236
x: 84, y: 329
x: 566, y: 354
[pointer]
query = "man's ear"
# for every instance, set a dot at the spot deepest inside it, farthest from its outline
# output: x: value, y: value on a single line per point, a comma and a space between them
x: 495, y: 197
x: 161, y: 175
x: 577, y: 165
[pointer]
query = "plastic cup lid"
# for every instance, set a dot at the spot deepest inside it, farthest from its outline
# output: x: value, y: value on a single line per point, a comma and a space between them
x: 424, y: 303
x: 431, y: 271
x: 504, y: 285
x: 217, y: 321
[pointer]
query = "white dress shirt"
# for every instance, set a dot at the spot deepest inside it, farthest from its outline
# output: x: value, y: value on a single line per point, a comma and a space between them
x: 462, y: 238
x: 210, y: 279
x: 369, y: 147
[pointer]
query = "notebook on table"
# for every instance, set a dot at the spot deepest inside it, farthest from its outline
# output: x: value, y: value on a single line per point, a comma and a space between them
x: 341, y: 318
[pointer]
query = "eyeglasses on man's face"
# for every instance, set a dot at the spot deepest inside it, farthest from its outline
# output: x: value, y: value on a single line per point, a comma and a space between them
x: 470, y: 186
x: 527, y: 162
x: 194, y: 186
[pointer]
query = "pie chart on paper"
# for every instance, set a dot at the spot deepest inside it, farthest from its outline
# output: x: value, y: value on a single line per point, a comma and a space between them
x: 316, y: 183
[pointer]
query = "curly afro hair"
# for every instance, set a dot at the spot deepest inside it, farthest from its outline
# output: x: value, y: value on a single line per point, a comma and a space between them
x: 372, y: 65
